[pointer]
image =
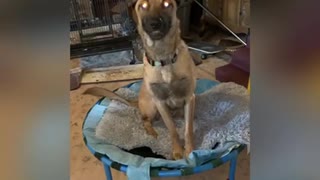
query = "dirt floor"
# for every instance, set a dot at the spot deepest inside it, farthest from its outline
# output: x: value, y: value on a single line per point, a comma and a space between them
x: 84, y: 166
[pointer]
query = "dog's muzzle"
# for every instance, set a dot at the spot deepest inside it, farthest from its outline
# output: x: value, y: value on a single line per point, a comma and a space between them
x: 156, y: 27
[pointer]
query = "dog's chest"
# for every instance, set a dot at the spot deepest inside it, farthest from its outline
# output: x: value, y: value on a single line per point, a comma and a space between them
x: 177, y: 88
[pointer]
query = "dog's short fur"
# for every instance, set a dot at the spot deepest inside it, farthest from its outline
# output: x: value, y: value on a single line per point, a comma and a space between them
x: 164, y: 87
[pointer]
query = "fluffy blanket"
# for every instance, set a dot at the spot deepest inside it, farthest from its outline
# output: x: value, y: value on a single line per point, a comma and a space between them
x: 221, y: 115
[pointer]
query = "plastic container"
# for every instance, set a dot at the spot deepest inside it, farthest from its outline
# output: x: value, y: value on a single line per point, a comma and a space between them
x: 75, y: 78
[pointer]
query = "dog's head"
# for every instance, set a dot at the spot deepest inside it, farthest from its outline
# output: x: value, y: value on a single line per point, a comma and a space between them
x: 156, y: 17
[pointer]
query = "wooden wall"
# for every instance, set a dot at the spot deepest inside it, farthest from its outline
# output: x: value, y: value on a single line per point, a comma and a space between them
x: 234, y: 13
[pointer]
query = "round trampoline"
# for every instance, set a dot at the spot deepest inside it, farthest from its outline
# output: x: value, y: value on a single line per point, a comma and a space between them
x: 165, y: 171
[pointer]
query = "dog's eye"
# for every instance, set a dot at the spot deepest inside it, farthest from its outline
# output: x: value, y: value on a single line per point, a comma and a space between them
x: 166, y: 4
x: 144, y: 5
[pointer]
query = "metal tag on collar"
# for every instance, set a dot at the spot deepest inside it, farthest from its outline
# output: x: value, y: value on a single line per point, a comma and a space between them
x: 157, y: 63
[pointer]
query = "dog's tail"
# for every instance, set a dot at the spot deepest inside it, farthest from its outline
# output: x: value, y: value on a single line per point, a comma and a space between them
x: 97, y: 91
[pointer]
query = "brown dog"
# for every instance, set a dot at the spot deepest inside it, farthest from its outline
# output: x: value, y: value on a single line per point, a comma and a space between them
x: 169, y: 72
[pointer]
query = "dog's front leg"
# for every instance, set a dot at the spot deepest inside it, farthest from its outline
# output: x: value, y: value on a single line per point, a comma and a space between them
x: 189, y: 116
x: 177, y: 151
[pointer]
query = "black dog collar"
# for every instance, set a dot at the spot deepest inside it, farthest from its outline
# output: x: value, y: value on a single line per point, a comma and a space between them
x: 161, y: 62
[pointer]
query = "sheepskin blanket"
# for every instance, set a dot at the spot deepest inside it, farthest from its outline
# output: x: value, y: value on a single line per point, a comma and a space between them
x: 221, y: 115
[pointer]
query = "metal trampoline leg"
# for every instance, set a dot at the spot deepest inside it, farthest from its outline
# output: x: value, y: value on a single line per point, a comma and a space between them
x: 107, y: 170
x: 232, y: 169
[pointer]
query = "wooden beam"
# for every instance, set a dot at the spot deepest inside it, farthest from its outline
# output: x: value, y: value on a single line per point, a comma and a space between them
x: 112, y: 74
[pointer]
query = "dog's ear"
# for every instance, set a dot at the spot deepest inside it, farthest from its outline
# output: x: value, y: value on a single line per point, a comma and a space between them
x: 132, y: 3
x: 132, y: 11
x: 178, y: 2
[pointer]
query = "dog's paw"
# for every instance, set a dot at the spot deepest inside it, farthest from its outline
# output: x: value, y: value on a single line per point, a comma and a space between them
x: 152, y: 132
x: 177, y: 153
x: 188, y: 150
x: 177, y: 156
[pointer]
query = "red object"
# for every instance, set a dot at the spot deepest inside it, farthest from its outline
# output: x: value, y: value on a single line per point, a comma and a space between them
x: 238, y: 70
x: 241, y: 59
x: 231, y: 73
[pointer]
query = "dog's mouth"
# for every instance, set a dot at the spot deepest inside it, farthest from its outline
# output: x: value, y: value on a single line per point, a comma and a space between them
x: 156, y: 35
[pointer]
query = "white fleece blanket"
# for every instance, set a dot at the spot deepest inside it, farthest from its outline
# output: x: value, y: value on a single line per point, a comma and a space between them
x: 221, y: 115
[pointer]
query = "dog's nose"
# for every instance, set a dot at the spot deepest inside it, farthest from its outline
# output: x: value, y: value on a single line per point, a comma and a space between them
x: 156, y: 23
